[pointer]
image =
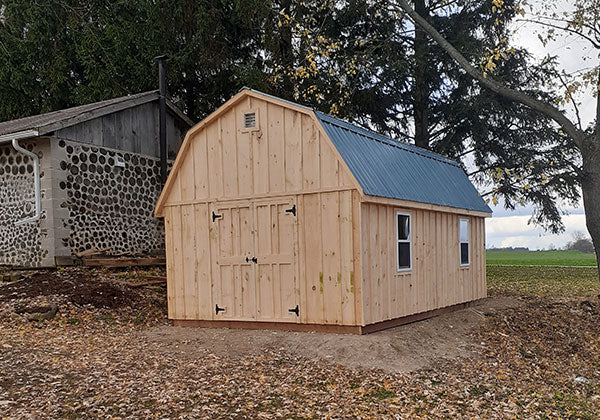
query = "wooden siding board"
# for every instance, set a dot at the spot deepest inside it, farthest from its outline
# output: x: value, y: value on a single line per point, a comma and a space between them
x: 357, y: 247
x: 170, y: 256
x: 260, y: 150
x: 230, y: 166
x: 275, y: 137
x: 215, y: 162
x: 310, y: 154
x: 202, y: 262
x: 312, y: 256
x: 346, y: 258
x: 293, y: 150
x: 179, y: 290
x: 190, y: 288
x: 330, y: 232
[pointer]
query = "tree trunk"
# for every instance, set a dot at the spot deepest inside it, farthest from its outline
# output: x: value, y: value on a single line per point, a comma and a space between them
x: 590, y: 186
x: 420, y: 89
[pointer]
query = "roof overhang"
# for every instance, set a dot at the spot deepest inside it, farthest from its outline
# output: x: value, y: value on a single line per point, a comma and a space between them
x: 423, y: 206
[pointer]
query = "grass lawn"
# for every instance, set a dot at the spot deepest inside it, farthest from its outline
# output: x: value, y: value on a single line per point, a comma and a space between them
x: 537, y: 258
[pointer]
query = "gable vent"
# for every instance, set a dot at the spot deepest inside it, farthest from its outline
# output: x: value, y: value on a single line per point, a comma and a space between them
x: 250, y: 120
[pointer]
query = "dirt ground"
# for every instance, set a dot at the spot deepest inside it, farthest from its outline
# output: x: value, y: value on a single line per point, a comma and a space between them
x: 403, y: 349
x: 109, y: 352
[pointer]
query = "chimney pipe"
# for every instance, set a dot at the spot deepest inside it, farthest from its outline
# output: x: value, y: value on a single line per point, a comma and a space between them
x: 162, y: 116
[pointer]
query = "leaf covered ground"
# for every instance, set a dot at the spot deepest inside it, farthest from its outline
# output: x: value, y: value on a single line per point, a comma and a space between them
x: 538, y: 360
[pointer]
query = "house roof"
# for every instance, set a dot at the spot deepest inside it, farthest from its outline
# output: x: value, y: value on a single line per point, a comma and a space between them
x: 51, y: 121
x: 388, y: 168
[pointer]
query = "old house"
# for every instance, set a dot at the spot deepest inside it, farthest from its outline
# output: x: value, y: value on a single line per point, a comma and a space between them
x: 84, y: 178
x: 277, y: 216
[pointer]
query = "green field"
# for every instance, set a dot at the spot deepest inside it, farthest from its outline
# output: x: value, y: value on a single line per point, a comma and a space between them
x: 543, y: 258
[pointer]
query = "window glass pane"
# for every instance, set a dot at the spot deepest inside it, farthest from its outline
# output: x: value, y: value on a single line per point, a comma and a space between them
x: 403, y: 227
x: 464, y: 253
x: 464, y: 230
x: 403, y: 255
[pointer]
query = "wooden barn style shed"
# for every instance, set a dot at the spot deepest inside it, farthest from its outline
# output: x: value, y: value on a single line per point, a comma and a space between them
x: 278, y: 216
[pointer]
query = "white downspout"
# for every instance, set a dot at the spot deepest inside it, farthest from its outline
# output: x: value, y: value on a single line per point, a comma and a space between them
x: 14, y: 138
x: 36, y: 184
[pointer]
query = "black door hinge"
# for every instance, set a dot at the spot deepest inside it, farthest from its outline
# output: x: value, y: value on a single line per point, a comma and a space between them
x: 253, y: 259
x: 216, y: 216
x: 292, y: 210
x: 217, y: 309
x: 296, y: 310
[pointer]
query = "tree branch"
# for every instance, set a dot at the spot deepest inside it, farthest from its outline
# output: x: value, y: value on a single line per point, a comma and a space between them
x: 577, y: 135
x: 566, y: 29
x: 564, y: 83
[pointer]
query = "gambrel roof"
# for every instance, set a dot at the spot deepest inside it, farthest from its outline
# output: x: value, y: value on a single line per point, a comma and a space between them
x: 388, y: 168
x: 381, y: 166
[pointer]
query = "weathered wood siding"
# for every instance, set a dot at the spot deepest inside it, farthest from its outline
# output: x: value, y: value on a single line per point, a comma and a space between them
x: 250, y: 179
x: 132, y: 130
x: 436, y: 279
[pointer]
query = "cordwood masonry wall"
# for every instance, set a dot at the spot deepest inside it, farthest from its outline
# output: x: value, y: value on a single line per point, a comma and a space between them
x: 31, y: 243
x: 88, y: 201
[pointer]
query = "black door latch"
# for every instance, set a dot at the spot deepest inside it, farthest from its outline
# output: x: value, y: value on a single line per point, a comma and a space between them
x: 253, y: 259
x: 296, y: 310
x: 217, y: 309
x: 292, y: 210
x: 216, y: 216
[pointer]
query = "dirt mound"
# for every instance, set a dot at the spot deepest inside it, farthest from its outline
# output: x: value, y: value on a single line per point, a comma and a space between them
x: 79, y: 288
x: 402, y: 349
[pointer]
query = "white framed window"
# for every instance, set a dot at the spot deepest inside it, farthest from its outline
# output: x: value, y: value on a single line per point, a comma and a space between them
x: 403, y: 242
x: 464, y: 228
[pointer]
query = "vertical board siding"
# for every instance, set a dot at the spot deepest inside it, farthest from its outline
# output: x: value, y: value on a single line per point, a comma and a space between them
x: 287, y: 154
x: 329, y: 249
x: 132, y: 130
x: 336, y: 259
x: 436, y: 279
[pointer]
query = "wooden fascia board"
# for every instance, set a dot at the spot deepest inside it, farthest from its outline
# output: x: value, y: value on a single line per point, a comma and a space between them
x: 423, y: 206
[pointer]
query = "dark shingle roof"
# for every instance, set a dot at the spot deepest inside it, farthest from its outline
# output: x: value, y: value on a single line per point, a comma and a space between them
x: 387, y: 168
x: 46, y: 123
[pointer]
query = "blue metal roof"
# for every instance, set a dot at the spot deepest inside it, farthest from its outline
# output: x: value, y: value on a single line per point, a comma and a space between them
x: 387, y: 168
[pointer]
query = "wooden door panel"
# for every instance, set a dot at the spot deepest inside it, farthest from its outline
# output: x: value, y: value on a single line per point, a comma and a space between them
x: 275, y: 244
x: 255, y: 260
x: 235, y: 239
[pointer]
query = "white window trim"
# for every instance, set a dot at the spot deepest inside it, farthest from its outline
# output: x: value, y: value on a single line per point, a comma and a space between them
x: 461, y: 242
x: 409, y: 241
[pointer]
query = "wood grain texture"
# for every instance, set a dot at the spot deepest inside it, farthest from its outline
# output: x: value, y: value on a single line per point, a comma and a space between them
x: 436, y: 279
x: 335, y: 259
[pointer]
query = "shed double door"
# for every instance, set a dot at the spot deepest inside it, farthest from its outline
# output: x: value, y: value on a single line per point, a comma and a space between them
x: 254, y: 268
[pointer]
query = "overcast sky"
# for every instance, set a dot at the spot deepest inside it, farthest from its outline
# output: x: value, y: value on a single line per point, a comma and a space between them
x: 510, y: 228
